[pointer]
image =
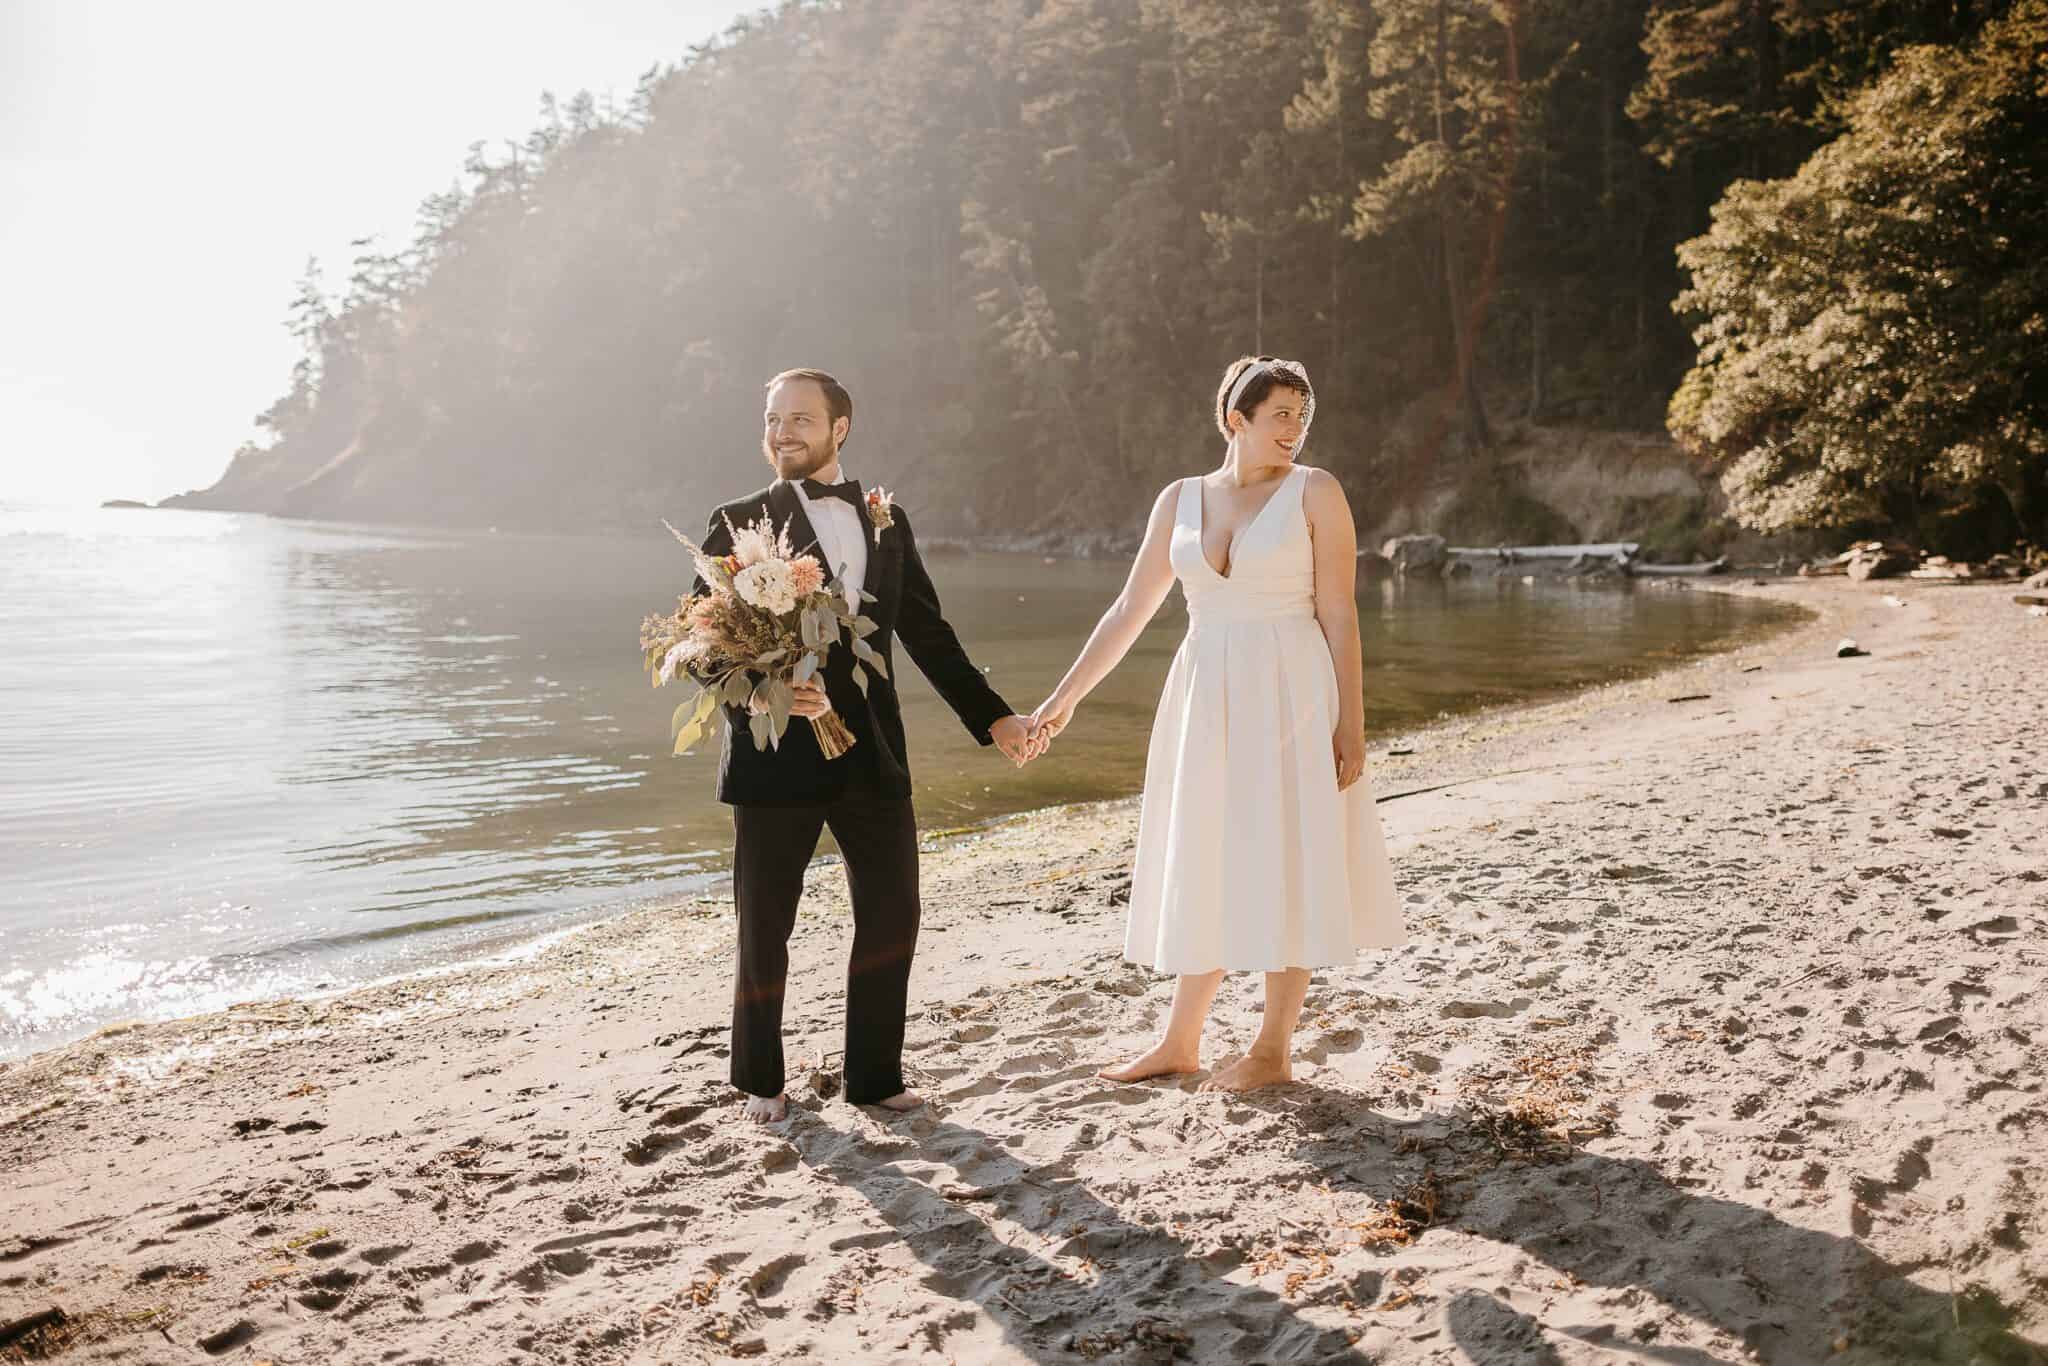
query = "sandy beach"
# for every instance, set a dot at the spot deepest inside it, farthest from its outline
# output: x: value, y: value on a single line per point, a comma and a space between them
x: 1721, y: 1036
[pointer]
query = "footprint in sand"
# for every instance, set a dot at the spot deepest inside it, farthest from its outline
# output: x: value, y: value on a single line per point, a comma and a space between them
x: 327, y: 1290
x: 1028, y: 1064
x: 542, y: 1272
x: 1485, y: 1010
x: 228, y: 1338
x: 472, y: 1252
x: 766, y: 1281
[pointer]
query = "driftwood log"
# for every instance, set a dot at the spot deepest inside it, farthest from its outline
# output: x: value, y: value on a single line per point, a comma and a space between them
x: 1714, y: 566
x: 1509, y: 554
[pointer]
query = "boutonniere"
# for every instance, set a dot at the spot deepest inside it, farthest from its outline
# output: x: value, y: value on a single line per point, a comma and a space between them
x: 881, y: 511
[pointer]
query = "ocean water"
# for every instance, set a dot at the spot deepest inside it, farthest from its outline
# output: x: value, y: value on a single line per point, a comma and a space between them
x: 243, y: 757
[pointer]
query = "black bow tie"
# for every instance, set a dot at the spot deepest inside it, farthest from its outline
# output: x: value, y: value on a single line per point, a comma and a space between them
x: 848, y: 492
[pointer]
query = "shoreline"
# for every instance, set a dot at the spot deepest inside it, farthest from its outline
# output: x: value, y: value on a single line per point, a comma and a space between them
x: 327, y: 962
x: 1824, y: 1104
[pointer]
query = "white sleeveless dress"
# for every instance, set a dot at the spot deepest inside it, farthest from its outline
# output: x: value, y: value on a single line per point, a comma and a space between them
x: 1248, y: 856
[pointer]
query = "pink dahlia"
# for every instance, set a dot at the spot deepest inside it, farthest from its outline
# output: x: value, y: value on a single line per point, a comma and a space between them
x: 806, y: 576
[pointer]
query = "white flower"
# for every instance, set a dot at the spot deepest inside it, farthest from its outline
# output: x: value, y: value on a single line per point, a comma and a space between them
x: 767, y: 584
x: 760, y: 541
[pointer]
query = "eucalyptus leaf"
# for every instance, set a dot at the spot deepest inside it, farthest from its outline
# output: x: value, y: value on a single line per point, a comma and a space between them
x: 807, y: 623
x: 699, y: 708
x: 806, y: 669
x: 763, y: 661
x: 736, y: 689
x: 867, y: 655
x: 860, y: 678
x: 758, y: 724
x: 865, y: 626
x: 780, y: 700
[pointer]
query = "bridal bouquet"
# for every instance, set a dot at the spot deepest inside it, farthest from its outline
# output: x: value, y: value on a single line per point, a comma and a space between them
x: 767, y: 622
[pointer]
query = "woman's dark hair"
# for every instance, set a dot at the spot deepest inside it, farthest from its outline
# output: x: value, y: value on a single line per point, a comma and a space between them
x: 1259, y: 387
x: 838, y: 403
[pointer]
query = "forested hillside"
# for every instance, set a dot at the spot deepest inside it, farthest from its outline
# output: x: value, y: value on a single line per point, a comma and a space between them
x: 1029, y: 234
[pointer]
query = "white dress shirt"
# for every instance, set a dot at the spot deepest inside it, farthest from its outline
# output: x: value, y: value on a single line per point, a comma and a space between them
x: 842, y: 539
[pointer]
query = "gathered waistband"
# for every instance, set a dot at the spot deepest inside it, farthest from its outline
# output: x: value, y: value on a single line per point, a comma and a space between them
x: 1241, y: 612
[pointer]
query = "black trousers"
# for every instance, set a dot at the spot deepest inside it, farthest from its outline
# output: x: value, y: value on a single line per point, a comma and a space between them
x: 773, y: 846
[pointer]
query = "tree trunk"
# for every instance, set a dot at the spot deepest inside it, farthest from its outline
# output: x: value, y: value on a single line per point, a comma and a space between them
x: 1462, y: 345
x: 1610, y: 101
x: 1337, y: 257
x: 1763, y: 93
x: 1259, y: 303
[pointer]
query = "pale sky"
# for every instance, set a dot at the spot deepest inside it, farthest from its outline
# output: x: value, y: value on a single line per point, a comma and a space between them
x: 166, y: 169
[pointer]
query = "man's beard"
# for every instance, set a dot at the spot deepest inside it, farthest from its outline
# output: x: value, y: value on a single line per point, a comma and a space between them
x: 817, y: 455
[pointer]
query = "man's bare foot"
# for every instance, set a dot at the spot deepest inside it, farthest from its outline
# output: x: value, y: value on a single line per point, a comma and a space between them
x: 767, y: 1109
x: 901, y: 1101
x: 1160, y: 1062
x: 1250, y: 1072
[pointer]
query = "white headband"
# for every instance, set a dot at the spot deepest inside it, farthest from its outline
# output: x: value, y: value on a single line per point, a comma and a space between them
x: 1257, y: 367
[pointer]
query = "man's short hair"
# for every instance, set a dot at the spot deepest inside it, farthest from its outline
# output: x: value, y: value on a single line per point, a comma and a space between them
x: 838, y: 403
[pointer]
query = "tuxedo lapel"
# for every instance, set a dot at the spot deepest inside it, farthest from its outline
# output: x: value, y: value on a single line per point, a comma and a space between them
x: 788, y: 511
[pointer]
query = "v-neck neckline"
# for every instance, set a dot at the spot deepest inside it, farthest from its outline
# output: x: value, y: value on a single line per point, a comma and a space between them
x: 1202, y: 525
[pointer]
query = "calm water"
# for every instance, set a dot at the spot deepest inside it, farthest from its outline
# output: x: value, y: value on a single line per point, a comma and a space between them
x: 245, y: 757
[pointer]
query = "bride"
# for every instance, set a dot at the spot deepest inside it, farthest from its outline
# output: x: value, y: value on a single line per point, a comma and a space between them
x: 1259, y: 848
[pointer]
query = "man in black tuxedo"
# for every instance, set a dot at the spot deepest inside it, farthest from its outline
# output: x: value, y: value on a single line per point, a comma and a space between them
x: 784, y: 798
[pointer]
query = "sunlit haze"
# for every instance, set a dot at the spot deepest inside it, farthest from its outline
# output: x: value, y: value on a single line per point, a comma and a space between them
x: 165, y: 171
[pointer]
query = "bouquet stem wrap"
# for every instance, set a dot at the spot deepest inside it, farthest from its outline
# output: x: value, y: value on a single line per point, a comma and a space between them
x: 834, y: 739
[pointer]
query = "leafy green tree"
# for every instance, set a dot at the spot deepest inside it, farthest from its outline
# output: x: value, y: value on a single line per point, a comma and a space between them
x: 1873, y: 330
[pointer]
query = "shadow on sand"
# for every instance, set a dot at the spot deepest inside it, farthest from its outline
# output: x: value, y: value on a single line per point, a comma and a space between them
x: 1786, y: 1293
x: 1171, y: 1302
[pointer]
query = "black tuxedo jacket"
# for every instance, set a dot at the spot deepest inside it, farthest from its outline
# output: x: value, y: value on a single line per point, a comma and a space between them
x: 906, y: 608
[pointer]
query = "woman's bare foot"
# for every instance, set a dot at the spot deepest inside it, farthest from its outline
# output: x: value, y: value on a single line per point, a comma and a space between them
x: 1250, y: 1072
x: 1160, y: 1062
x: 767, y: 1109
x: 902, y: 1101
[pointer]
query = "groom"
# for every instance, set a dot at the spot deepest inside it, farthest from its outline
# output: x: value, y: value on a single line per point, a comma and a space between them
x: 783, y: 798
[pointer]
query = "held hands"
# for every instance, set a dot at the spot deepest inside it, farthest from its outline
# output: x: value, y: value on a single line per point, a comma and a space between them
x: 1017, y: 739
x: 1048, y: 721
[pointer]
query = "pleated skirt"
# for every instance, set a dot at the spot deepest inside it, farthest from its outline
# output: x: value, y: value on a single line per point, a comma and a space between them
x: 1248, y: 856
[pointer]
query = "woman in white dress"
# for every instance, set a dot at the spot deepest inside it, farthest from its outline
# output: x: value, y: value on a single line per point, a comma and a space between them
x: 1259, y: 848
